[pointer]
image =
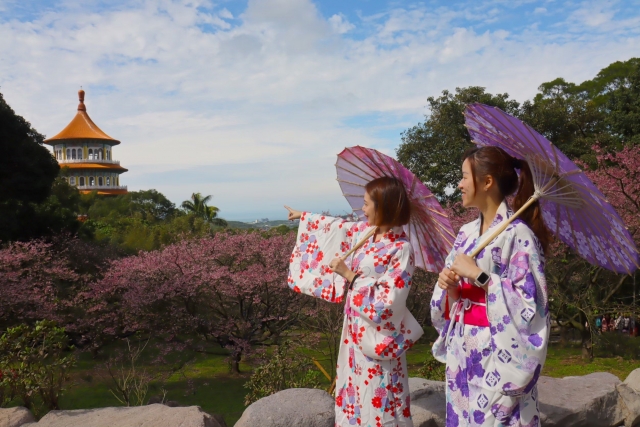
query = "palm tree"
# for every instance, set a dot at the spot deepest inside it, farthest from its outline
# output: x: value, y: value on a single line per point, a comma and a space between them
x: 198, y: 206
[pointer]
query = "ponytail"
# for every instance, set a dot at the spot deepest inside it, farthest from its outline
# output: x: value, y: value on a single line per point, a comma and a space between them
x: 532, y: 216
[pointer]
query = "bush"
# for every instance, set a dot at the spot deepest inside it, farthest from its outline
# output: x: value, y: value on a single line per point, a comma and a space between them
x: 432, y: 369
x: 33, y: 365
x: 286, y: 368
x: 614, y: 344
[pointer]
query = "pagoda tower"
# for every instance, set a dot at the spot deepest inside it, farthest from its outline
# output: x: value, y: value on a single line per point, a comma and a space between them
x: 87, y: 151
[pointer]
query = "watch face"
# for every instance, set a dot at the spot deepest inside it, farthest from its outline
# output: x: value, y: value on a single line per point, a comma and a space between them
x: 483, y: 278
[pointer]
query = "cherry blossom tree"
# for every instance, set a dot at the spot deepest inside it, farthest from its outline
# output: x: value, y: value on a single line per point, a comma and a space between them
x: 34, y: 280
x: 580, y: 291
x: 228, y: 289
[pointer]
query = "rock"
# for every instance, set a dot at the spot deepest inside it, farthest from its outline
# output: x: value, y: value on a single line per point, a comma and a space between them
x: 633, y: 380
x: 154, y: 415
x: 629, y: 392
x: 293, y: 407
x: 15, y: 417
x: 419, y: 387
x: 589, y: 401
x: 428, y: 402
x: 159, y: 399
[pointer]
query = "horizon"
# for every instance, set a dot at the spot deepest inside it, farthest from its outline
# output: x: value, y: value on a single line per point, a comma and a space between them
x: 250, y: 101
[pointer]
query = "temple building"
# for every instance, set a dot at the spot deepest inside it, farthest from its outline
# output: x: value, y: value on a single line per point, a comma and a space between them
x: 87, y: 151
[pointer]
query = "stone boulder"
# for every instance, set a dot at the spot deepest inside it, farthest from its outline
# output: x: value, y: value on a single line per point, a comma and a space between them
x: 587, y: 401
x: 154, y: 415
x: 428, y: 403
x: 629, y: 392
x: 15, y: 417
x: 302, y: 407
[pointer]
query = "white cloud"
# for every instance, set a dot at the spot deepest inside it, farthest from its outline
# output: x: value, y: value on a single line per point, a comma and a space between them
x: 340, y: 24
x: 200, y: 98
x: 540, y: 10
x: 225, y: 14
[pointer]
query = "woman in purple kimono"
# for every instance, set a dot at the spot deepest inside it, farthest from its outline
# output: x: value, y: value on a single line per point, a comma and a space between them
x: 372, y: 388
x: 492, y: 312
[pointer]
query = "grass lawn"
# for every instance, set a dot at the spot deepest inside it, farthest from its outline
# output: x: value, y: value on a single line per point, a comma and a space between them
x: 208, y: 383
x: 567, y: 361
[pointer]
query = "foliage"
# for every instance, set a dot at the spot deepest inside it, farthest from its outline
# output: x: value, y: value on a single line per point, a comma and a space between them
x: 623, y: 105
x: 604, y: 110
x: 432, y: 369
x: 130, y: 379
x: 432, y: 150
x: 34, y: 201
x: 576, y: 288
x: 198, y: 207
x: 326, y: 319
x: 33, y: 278
x: 144, y: 220
x: 286, y: 368
x: 35, y: 362
x: 150, y: 206
x: 227, y: 289
x: 27, y: 168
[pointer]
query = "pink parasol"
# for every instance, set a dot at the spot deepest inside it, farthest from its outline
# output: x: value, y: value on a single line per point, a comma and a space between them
x: 572, y: 207
x: 429, y: 231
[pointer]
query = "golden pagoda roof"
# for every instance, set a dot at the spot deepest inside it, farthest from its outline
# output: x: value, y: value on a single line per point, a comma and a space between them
x: 105, y: 192
x: 82, y: 127
x: 92, y: 165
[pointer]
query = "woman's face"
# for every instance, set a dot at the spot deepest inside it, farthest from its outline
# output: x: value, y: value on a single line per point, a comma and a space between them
x: 466, y: 185
x: 369, y: 209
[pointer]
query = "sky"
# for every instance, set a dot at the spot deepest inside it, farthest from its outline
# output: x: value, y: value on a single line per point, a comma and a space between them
x: 250, y: 101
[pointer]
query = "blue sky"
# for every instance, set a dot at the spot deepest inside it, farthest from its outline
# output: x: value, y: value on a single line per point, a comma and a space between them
x: 250, y: 101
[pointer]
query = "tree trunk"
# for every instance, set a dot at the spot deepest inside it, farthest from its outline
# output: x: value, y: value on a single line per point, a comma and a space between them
x: 235, y: 362
x: 585, y: 334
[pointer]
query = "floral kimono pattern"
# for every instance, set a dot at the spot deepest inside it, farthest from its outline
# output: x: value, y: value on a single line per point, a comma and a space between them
x: 492, y: 371
x: 372, y: 388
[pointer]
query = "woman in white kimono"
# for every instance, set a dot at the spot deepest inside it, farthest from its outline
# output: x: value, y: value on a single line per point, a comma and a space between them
x: 372, y: 387
x: 492, y: 312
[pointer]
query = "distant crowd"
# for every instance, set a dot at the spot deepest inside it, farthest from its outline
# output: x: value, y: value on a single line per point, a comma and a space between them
x: 623, y: 324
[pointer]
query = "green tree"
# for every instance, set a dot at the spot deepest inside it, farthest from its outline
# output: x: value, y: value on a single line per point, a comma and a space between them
x: 150, y: 206
x: 623, y: 105
x: 27, y: 168
x: 433, y: 149
x: 27, y: 172
x: 603, y: 110
x: 36, y: 361
x: 198, y: 206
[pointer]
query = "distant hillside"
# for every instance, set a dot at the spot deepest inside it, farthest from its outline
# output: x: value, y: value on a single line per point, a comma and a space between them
x: 263, y: 225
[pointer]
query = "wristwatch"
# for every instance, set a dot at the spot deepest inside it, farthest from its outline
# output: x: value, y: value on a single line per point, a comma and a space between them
x: 482, y: 279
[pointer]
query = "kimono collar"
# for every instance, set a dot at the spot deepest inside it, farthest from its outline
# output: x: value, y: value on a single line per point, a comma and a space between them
x: 503, y: 213
x: 393, y: 234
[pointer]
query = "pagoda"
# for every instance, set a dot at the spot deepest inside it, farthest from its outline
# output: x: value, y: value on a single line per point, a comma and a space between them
x: 87, y: 151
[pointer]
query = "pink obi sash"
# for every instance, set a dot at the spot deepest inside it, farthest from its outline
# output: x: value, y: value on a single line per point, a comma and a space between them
x: 471, y: 307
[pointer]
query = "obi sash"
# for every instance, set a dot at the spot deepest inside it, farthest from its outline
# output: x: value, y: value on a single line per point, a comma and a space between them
x: 471, y: 307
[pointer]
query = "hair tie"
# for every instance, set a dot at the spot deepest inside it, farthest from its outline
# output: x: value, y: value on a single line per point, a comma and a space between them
x: 516, y: 163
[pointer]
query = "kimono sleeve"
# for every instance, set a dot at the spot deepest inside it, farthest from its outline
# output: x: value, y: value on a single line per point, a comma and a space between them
x: 320, y: 239
x: 388, y: 329
x: 518, y: 313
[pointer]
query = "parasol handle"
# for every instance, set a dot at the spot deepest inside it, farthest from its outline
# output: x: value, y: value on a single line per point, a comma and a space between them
x: 321, y: 369
x: 504, y: 226
x: 360, y: 243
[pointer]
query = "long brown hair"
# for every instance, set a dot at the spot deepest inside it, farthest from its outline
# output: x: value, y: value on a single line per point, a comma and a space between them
x: 494, y: 161
x: 390, y: 201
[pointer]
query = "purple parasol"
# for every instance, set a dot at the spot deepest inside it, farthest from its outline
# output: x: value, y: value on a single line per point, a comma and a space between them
x: 429, y: 231
x: 572, y: 207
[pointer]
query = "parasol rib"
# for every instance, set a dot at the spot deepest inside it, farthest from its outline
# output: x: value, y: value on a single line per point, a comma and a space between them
x: 355, y: 166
